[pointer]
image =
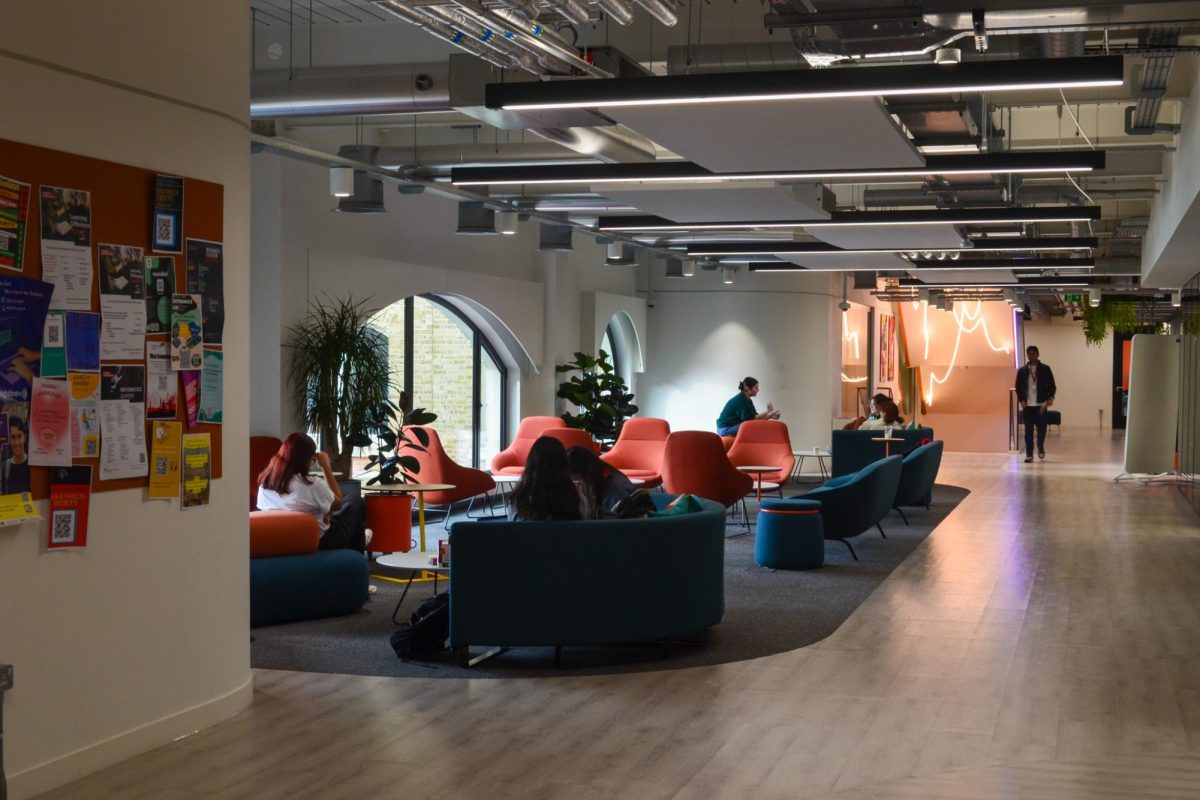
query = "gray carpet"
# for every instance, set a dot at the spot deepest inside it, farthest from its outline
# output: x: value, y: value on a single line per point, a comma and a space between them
x: 766, y: 612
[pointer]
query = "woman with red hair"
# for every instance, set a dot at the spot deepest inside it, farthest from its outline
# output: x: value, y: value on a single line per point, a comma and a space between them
x: 287, y: 486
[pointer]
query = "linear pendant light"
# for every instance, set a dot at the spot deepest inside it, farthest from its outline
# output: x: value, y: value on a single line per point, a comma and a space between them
x: 950, y: 216
x: 820, y: 248
x: 689, y: 172
x: 733, y: 87
x: 769, y: 264
x: 1072, y: 282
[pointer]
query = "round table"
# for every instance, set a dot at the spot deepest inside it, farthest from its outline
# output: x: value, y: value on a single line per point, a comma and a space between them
x: 416, y: 563
x: 419, y: 489
x: 887, y: 443
x: 817, y: 453
x: 757, y: 470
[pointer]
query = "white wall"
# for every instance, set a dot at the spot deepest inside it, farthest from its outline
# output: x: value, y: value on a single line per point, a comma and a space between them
x: 1083, y: 374
x: 1173, y: 236
x: 704, y: 337
x: 142, y: 636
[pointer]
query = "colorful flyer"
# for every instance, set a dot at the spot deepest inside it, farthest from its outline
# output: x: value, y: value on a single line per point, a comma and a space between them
x: 83, y: 342
x: 67, y: 246
x: 197, y: 469
x: 85, y: 414
x: 165, y: 440
x: 168, y: 213
x: 14, y: 465
x: 122, y: 302
x: 54, y: 345
x: 14, y: 219
x: 123, y: 420
x: 187, y: 338
x: 205, y: 277
x: 70, y: 496
x: 17, y: 508
x: 23, y: 305
x: 162, y: 382
x: 50, y: 424
x: 160, y: 285
x: 211, y: 381
x: 191, y: 396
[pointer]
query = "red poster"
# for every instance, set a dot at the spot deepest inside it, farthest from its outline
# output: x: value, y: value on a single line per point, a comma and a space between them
x: 70, y: 494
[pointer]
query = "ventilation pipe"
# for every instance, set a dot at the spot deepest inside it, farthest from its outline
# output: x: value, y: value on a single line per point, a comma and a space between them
x: 661, y: 10
x: 573, y: 10
x: 1062, y: 44
x: 498, y: 42
x: 359, y: 90
x: 620, y: 11
x: 443, y: 31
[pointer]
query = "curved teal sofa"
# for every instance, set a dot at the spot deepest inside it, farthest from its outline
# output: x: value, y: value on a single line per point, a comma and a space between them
x: 854, y: 503
x: 594, y: 582
x: 918, y: 472
x: 850, y: 451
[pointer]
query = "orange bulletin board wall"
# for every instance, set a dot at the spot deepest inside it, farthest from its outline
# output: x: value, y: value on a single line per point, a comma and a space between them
x: 122, y: 200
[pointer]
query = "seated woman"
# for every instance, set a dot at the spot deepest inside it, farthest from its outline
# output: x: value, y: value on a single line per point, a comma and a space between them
x: 740, y: 408
x: 877, y: 403
x: 605, y: 491
x: 546, y: 491
x: 285, y: 485
x: 889, y: 417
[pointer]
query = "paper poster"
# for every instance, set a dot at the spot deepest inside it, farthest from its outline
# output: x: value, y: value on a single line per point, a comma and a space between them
x: 54, y: 345
x: 83, y: 342
x: 85, y: 414
x: 67, y: 246
x: 191, y: 396
x: 160, y: 285
x: 211, y: 381
x: 50, y: 424
x: 122, y: 302
x: 197, y: 469
x: 162, y: 382
x: 23, y: 304
x: 14, y: 467
x: 70, y: 496
x: 186, y: 332
x: 17, y: 508
x: 14, y: 219
x: 205, y: 277
x: 165, y: 440
x: 168, y: 213
x: 123, y: 421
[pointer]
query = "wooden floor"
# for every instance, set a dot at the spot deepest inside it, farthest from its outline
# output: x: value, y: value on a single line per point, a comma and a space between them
x: 1043, y: 642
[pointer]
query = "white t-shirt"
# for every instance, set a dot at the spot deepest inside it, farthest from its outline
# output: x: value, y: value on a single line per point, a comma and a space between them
x: 876, y: 424
x: 1031, y: 398
x: 314, y: 499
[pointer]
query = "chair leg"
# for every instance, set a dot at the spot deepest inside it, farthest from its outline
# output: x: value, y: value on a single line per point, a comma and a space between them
x: 880, y: 527
x: 843, y: 541
x: 900, y: 511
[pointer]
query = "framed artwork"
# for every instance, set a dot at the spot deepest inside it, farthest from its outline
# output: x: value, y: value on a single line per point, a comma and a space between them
x: 883, y: 346
x: 891, y: 360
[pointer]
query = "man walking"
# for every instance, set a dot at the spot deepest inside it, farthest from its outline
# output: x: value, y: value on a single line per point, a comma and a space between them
x: 1035, y: 394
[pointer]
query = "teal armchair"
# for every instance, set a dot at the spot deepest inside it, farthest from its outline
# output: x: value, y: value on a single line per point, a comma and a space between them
x: 918, y: 471
x: 852, y: 504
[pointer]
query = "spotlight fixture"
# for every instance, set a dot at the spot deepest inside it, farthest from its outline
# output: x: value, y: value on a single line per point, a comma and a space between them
x: 949, y: 304
x: 947, y: 55
x: 506, y: 222
x: 1094, y: 296
x: 620, y: 255
x: 727, y: 275
x: 1176, y: 298
x: 341, y: 181
x: 923, y: 295
x: 811, y: 84
x: 689, y: 268
x: 955, y: 255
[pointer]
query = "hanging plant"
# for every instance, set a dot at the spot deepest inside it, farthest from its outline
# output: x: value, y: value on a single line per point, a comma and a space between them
x: 1110, y: 315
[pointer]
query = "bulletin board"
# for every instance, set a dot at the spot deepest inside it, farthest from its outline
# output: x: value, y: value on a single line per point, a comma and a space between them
x: 122, y: 204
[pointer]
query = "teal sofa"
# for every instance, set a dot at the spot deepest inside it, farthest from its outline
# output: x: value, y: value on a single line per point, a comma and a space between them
x: 595, y: 582
x: 853, y: 450
x: 854, y: 503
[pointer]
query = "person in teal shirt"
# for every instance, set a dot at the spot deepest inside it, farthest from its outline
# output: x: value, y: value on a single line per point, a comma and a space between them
x: 741, y: 408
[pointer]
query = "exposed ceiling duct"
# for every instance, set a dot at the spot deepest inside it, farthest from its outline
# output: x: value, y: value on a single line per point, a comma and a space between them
x: 1151, y: 82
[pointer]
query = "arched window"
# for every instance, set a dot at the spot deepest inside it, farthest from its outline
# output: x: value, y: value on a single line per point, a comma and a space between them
x: 608, y: 343
x: 447, y: 366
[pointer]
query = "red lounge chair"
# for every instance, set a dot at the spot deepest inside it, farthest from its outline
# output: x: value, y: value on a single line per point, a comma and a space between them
x: 639, y: 449
x: 511, y: 460
x: 762, y: 442
x: 694, y: 462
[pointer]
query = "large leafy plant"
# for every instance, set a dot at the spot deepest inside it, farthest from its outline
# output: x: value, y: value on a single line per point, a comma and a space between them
x: 603, y: 399
x: 388, y: 423
x: 1110, y: 315
x: 340, y: 373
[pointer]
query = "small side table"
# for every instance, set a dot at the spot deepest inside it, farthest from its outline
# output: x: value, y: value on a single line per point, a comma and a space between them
x: 819, y: 455
x: 415, y: 563
x: 887, y: 443
x: 757, y: 471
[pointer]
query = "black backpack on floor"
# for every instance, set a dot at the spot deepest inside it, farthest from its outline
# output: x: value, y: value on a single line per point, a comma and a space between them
x: 425, y: 633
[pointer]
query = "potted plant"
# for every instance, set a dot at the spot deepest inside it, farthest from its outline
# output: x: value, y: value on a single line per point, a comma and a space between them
x: 389, y: 515
x: 341, y: 375
x: 603, y: 399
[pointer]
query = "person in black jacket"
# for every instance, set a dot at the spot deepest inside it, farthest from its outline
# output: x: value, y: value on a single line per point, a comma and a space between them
x: 1035, y: 394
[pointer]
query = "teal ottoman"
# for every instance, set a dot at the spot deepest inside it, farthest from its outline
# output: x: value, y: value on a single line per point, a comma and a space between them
x: 321, y: 584
x: 789, y: 534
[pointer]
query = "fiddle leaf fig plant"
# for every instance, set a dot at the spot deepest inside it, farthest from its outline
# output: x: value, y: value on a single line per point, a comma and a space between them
x: 600, y: 394
x: 388, y: 423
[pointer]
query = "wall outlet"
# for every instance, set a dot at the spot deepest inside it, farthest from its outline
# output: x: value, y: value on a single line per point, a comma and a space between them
x: 6, y: 677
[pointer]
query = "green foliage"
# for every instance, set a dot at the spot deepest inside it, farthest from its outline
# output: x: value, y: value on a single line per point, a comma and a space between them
x: 603, y: 399
x: 391, y: 440
x: 1110, y: 315
x: 1191, y: 323
x: 340, y: 373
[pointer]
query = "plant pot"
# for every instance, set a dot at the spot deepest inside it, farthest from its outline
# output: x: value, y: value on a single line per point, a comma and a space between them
x: 390, y: 517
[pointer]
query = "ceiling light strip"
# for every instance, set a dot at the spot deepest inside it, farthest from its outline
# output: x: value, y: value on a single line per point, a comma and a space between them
x: 820, y: 248
x: 906, y: 80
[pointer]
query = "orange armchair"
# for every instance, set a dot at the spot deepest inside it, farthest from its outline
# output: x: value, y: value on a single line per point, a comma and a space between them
x: 573, y: 437
x: 694, y: 462
x: 261, y: 450
x: 511, y: 460
x: 639, y: 449
x: 437, y: 467
x: 763, y: 442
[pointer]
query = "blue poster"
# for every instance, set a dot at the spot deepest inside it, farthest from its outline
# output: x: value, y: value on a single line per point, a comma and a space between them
x: 83, y: 341
x: 23, y: 305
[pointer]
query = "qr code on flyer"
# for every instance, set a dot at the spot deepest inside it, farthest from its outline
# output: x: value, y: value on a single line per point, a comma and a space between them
x: 164, y: 229
x: 62, y: 530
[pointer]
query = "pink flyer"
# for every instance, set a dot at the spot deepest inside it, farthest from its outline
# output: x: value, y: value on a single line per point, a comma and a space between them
x: 50, y: 423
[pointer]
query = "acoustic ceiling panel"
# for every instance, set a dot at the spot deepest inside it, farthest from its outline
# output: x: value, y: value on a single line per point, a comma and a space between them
x: 980, y: 276
x: 760, y: 202
x: 816, y: 134
x: 916, y: 237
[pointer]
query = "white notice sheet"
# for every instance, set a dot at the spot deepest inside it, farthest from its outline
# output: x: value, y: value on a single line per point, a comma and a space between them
x: 122, y: 422
x: 122, y: 328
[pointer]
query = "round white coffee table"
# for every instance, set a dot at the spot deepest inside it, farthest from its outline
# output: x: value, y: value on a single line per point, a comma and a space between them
x: 415, y: 562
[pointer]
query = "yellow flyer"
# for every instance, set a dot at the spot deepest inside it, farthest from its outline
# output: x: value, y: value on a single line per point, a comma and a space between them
x: 17, y: 508
x: 197, y: 469
x: 164, y: 460
x: 85, y: 414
